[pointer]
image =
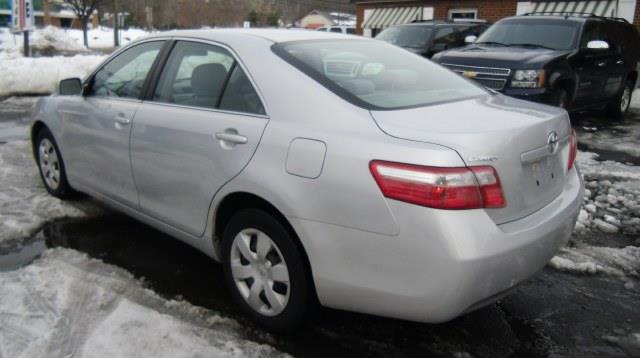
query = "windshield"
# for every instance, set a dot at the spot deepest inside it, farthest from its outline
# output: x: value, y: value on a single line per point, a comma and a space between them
x: 406, y: 36
x: 376, y: 75
x: 552, y: 34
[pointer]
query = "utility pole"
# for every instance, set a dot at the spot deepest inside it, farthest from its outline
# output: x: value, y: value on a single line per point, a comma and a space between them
x: 116, y: 20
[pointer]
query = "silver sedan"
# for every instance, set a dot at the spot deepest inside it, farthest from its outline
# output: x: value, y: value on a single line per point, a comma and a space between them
x: 319, y: 167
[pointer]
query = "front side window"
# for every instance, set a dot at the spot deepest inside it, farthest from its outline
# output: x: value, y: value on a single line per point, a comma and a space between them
x: 552, y: 34
x: 375, y: 75
x: 207, y: 76
x: 407, y: 36
x: 124, y: 76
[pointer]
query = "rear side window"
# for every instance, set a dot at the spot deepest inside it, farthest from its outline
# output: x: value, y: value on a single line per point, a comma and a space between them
x: 239, y: 95
x: 407, y: 36
x: 375, y: 75
x: 351, y: 30
x: 336, y: 29
x: 444, y: 38
x: 194, y: 75
x: 206, y: 76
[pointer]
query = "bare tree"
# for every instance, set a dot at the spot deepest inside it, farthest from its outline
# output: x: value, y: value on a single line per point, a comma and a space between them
x: 83, y: 10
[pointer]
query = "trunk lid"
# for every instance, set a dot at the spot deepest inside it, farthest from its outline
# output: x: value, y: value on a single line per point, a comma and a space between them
x: 509, y: 134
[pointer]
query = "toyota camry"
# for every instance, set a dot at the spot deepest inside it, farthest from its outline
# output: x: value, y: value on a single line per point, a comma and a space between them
x: 319, y: 168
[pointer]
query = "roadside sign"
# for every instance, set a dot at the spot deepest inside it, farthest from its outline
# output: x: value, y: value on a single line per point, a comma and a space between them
x: 22, y: 15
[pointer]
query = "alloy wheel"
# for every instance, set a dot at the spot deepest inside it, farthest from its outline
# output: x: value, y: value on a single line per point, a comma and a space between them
x: 260, y: 272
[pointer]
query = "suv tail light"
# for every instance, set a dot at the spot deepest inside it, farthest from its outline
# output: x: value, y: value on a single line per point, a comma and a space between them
x: 573, y: 148
x: 439, y: 187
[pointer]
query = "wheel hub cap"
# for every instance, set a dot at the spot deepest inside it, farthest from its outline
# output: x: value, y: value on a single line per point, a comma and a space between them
x: 260, y: 272
x: 49, y: 164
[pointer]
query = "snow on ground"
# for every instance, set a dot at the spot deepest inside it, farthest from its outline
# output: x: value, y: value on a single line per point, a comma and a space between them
x: 66, y: 304
x: 41, y: 75
x: 64, y: 40
x: 24, y: 203
x: 611, y: 207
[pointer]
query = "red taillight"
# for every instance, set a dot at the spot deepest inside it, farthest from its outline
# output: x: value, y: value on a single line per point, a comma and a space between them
x: 573, y: 148
x: 439, y: 187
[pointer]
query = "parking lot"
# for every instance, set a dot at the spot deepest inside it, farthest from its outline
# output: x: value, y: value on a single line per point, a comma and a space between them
x: 584, y: 303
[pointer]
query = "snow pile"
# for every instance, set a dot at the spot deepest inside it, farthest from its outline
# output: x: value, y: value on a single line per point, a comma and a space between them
x: 48, y: 41
x: 597, y: 259
x: 611, y: 208
x: 41, y: 75
x: 630, y: 343
x: 24, y: 203
x: 65, y: 304
x: 54, y: 40
x: 612, y: 197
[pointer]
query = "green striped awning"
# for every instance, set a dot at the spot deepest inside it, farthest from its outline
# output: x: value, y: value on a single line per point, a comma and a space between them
x: 596, y: 7
x: 384, y: 17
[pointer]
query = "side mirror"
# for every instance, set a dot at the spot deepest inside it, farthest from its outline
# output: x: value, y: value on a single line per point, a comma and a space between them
x: 70, y: 87
x: 598, y: 45
x: 470, y: 39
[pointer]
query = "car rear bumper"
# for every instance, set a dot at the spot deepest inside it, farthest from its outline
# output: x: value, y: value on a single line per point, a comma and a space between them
x: 441, y: 264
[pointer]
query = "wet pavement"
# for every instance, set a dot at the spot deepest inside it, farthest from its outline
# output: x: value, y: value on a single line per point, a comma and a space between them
x: 552, y: 314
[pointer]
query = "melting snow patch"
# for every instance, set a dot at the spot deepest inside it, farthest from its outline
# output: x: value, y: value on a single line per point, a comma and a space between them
x: 595, y: 259
x: 24, y: 203
x: 66, y: 304
x: 629, y: 343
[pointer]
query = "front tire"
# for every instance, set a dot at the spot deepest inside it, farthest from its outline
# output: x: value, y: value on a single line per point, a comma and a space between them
x: 51, y: 165
x: 265, y: 270
x: 620, y: 105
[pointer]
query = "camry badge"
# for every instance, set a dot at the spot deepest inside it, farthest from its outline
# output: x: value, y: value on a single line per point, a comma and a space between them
x: 483, y: 158
x: 552, y: 142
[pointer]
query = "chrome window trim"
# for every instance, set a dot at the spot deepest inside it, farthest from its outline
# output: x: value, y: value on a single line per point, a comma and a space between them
x: 205, y: 109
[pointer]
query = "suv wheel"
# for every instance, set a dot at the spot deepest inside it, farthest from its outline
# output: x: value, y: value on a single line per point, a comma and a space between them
x: 619, y: 106
x: 265, y: 271
x: 49, y: 160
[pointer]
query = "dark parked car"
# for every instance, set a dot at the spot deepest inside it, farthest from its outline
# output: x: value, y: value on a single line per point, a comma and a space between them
x: 430, y: 37
x: 572, y: 61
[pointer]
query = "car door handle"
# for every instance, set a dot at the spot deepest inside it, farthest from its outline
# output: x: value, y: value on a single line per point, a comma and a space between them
x: 122, y: 119
x: 619, y: 62
x: 602, y: 64
x: 232, y: 137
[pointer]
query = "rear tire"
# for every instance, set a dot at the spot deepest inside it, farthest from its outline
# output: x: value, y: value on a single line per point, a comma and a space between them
x: 51, y: 165
x: 254, y: 243
x: 620, y: 105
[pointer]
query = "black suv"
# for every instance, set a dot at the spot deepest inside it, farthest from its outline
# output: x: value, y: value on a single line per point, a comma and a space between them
x: 575, y: 61
x: 427, y: 38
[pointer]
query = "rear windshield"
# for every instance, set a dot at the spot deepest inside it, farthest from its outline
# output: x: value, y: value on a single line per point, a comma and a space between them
x: 552, y: 34
x: 376, y: 75
x: 406, y: 36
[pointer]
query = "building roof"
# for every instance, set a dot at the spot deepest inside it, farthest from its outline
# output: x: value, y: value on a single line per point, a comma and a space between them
x: 337, y: 18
